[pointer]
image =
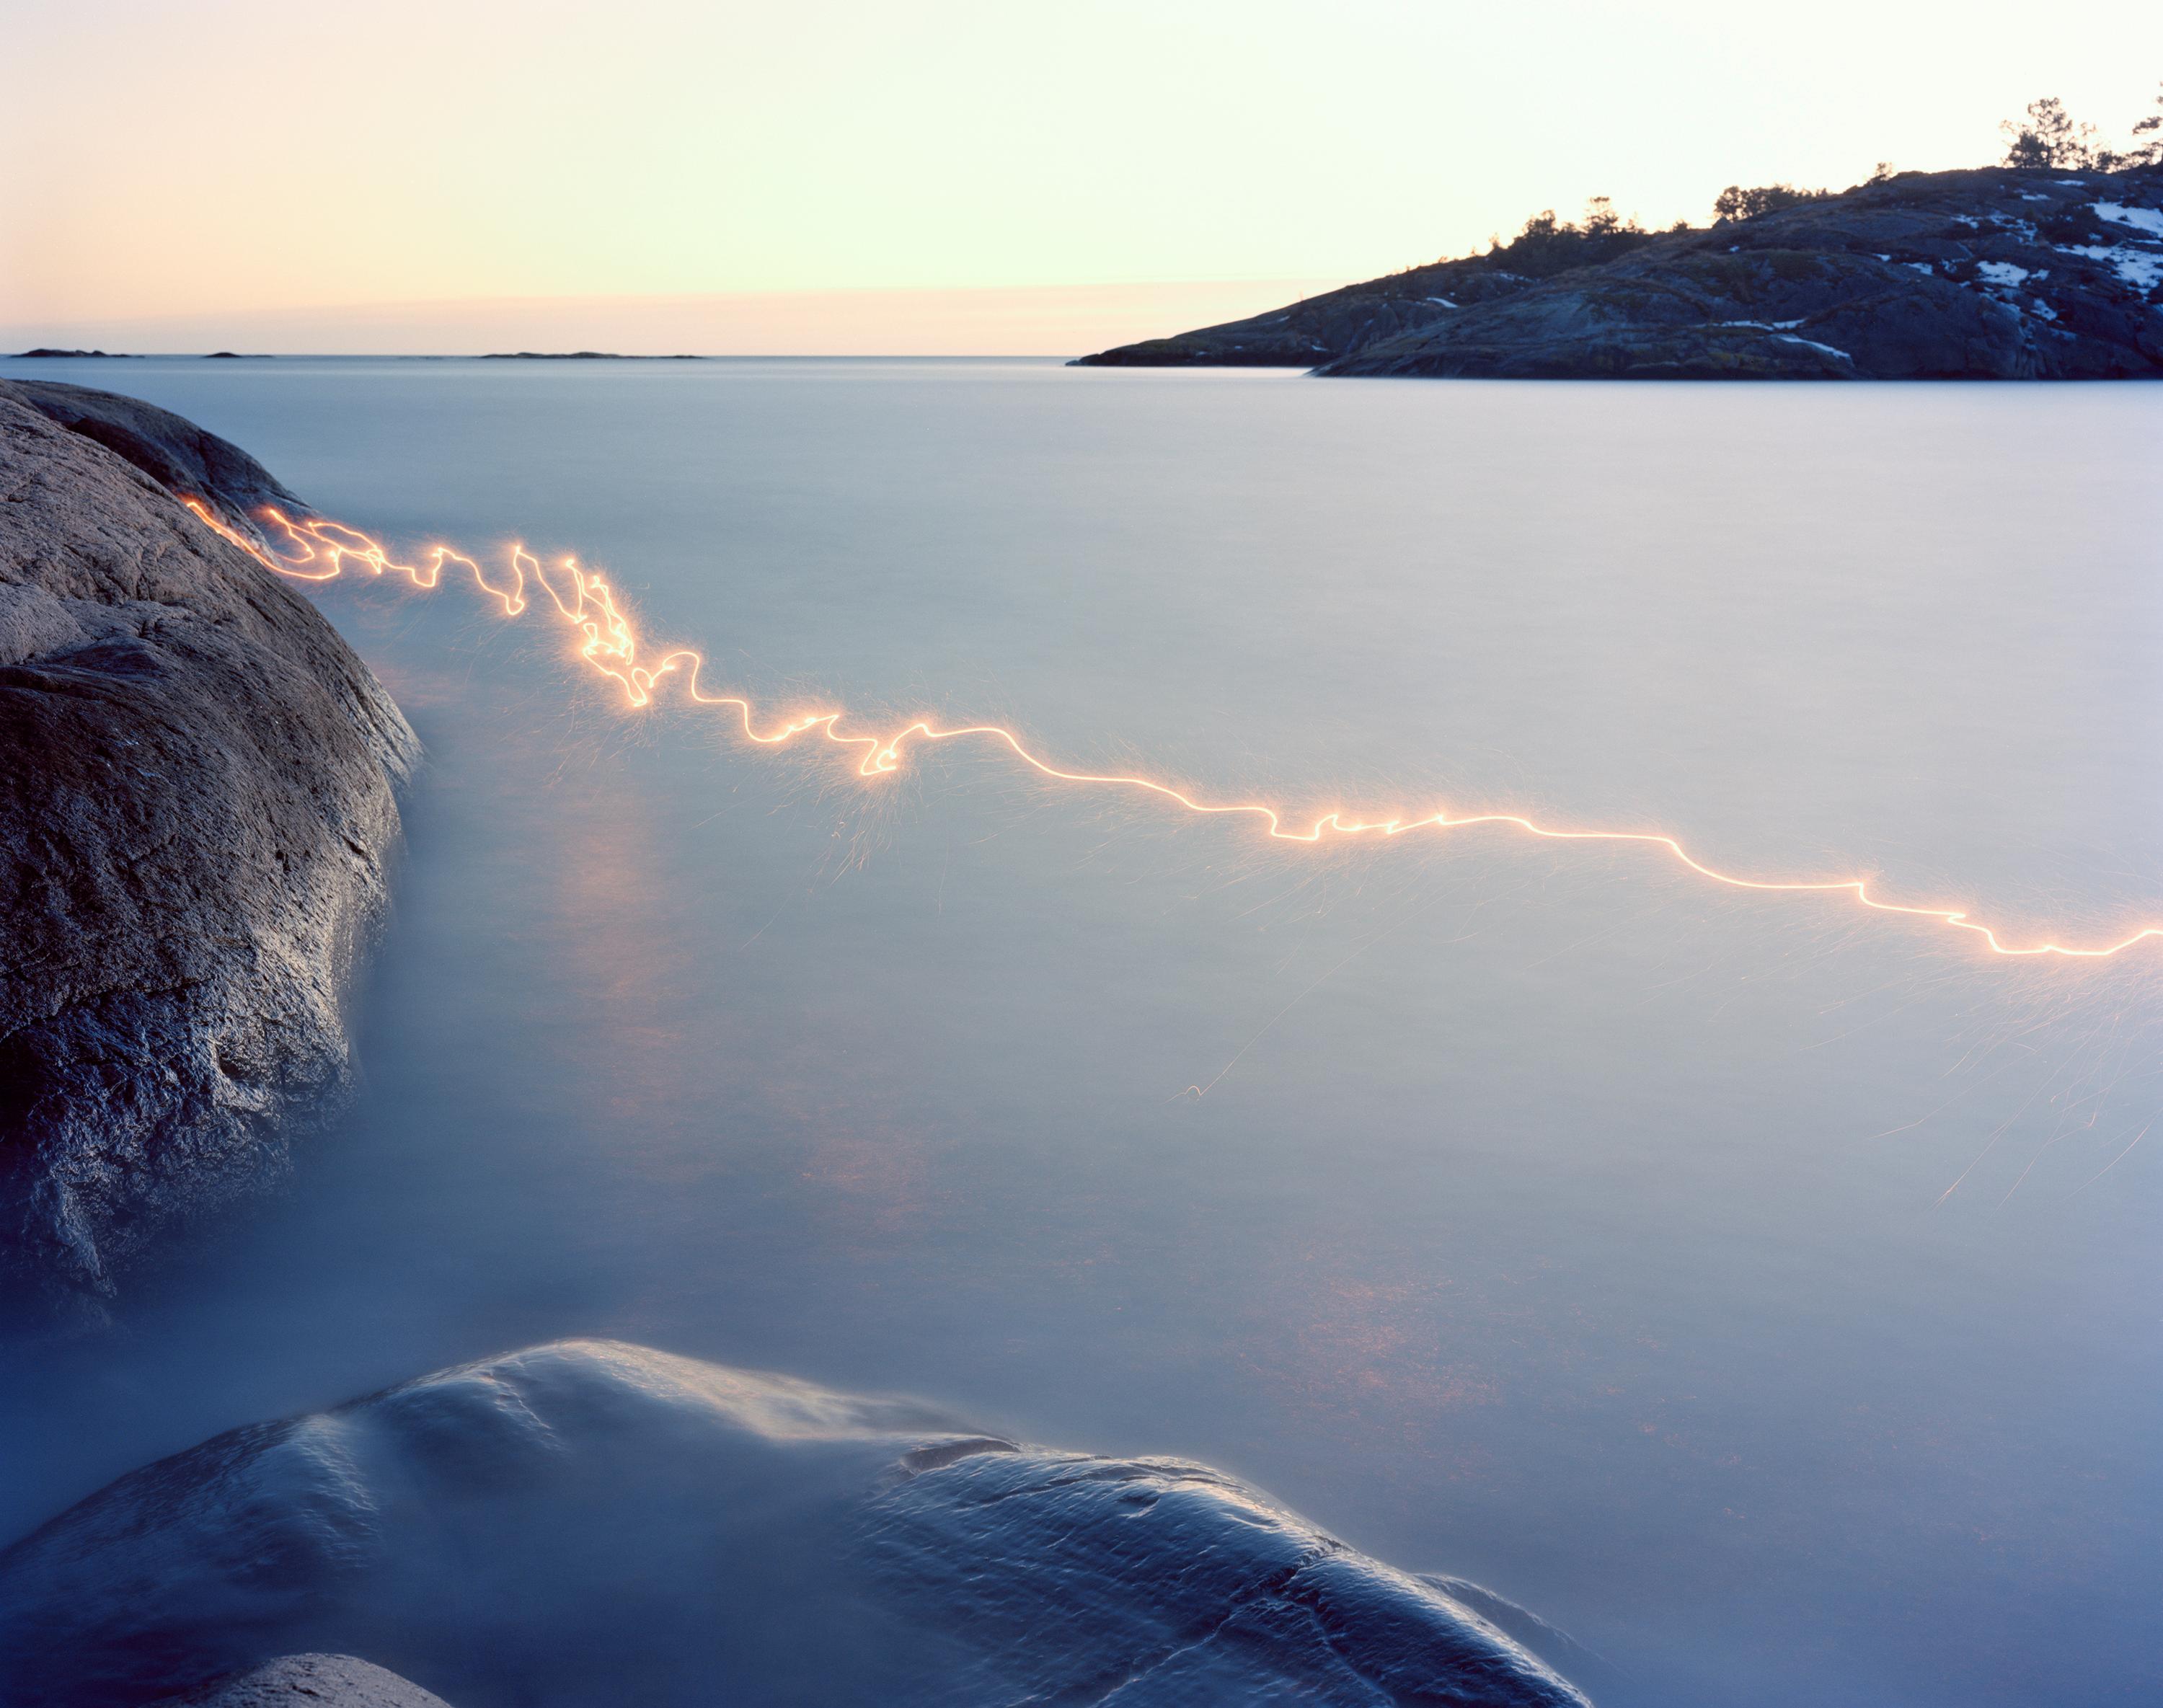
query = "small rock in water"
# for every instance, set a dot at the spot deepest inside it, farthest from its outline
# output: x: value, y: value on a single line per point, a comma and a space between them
x: 301, y: 1680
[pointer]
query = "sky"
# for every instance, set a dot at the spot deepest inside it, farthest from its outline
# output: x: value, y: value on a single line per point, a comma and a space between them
x: 864, y: 175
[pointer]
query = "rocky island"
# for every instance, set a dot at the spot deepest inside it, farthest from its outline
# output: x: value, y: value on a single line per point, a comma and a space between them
x: 196, y: 806
x: 2003, y: 273
x: 579, y: 356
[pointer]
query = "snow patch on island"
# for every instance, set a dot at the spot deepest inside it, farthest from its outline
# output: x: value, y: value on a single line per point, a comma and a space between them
x: 2141, y: 269
x: 1812, y: 343
x: 2147, y: 219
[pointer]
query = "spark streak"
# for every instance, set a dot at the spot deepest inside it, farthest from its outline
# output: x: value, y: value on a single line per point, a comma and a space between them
x: 321, y: 550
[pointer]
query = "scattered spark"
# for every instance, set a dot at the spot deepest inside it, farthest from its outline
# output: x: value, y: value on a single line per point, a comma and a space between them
x: 321, y: 550
x: 1197, y: 1093
x: 2114, y: 1161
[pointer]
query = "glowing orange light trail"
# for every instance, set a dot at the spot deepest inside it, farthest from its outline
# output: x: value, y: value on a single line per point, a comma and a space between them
x: 608, y: 644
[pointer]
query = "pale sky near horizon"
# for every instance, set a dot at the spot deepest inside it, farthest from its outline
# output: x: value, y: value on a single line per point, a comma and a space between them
x: 331, y: 178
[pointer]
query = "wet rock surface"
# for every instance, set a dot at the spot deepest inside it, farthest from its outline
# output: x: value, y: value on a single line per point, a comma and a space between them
x: 1991, y: 274
x: 590, y: 1522
x: 196, y: 807
x: 310, y: 1681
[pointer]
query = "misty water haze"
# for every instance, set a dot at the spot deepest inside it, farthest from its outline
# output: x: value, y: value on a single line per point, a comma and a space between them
x: 1760, y: 1289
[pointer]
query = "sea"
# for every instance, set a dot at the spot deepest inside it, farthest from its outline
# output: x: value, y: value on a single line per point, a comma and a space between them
x: 1760, y: 1286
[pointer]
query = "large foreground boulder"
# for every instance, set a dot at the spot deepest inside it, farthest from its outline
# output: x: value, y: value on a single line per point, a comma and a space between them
x: 589, y: 1522
x: 196, y: 807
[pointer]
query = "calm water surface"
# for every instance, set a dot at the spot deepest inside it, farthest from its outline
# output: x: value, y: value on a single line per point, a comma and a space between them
x: 1763, y: 1290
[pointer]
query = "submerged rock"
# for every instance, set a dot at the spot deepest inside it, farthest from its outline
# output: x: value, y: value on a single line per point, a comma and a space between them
x: 590, y: 1522
x: 298, y: 1680
x: 1992, y: 274
x: 196, y: 809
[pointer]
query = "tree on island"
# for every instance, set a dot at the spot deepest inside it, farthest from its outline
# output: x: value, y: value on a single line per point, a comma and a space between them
x: 2048, y: 140
x: 1549, y: 245
x: 1601, y: 220
x: 1735, y: 202
x: 2151, y: 153
x: 2049, y: 137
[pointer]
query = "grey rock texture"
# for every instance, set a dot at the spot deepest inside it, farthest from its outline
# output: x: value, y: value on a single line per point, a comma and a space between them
x: 1991, y: 274
x: 196, y: 807
x: 591, y: 1522
x: 310, y: 1681
x: 1585, y: 1667
x: 172, y: 450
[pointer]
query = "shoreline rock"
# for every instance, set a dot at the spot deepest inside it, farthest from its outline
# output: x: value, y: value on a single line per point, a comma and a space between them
x: 300, y: 1680
x: 1995, y: 274
x: 556, y: 1526
x: 196, y: 809
x: 173, y: 450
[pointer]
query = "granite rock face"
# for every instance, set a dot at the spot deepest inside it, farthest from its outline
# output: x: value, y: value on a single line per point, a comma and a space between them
x: 1992, y: 274
x: 196, y: 805
x: 310, y: 1681
x: 172, y: 450
x: 589, y: 1522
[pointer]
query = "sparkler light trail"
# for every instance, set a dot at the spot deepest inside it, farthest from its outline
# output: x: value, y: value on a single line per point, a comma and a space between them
x: 607, y: 643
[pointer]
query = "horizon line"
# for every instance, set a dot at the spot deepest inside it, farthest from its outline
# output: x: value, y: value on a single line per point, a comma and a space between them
x: 992, y: 321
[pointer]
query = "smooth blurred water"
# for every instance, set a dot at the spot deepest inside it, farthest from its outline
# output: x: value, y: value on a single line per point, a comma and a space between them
x: 1762, y: 1290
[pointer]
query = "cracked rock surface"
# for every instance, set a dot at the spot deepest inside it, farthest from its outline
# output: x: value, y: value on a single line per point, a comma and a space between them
x: 196, y: 779
x: 588, y: 1521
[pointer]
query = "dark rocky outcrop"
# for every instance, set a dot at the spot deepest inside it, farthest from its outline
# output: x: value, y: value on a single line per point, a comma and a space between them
x: 542, y: 1528
x: 1991, y: 274
x: 196, y: 809
x: 310, y: 1681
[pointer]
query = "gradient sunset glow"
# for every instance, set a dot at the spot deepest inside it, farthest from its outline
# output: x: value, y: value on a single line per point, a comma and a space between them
x: 848, y: 177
